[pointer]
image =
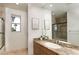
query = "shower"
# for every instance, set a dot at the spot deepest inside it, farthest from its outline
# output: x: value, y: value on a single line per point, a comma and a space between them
x: 2, y: 33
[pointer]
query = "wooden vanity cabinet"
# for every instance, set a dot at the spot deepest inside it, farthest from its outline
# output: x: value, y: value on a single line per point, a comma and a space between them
x: 41, y: 50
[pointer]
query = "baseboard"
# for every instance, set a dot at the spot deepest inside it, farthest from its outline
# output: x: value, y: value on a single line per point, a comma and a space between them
x: 22, y: 49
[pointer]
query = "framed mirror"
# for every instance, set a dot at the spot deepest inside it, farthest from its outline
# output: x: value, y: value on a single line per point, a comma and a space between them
x: 15, y: 23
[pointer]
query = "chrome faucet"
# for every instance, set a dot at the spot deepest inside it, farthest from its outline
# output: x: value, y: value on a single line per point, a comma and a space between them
x: 58, y: 42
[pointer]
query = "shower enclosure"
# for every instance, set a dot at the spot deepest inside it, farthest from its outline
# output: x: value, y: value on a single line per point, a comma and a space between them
x: 2, y: 33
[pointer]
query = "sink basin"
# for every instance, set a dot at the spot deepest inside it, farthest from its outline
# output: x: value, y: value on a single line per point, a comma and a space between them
x: 52, y: 45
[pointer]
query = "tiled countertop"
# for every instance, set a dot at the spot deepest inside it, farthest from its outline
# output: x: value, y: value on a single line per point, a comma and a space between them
x: 61, y: 51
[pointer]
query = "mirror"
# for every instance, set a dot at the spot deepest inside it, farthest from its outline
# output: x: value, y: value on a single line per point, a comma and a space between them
x: 65, y: 21
x: 16, y: 23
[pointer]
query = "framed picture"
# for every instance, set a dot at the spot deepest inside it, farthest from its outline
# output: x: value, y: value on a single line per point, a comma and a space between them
x: 35, y: 23
x: 46, y: 25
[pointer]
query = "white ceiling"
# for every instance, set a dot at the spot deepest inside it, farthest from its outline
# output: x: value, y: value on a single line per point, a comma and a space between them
x: 21, y: 6
x: 57, y: 9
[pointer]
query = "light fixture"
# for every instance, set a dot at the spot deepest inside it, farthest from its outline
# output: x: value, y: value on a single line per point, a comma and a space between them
x: 50, y: 5
x: 17, y: 3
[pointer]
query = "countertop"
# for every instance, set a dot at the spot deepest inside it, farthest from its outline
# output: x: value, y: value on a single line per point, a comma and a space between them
x: 61, y: 51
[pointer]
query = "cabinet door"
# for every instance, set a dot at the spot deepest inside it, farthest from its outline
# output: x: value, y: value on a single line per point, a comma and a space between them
x: 41, y: 50
x: 47, y: 51
x: 36, y: 49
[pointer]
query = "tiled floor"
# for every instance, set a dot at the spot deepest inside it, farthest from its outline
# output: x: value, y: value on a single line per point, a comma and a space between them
x: 17, y: 52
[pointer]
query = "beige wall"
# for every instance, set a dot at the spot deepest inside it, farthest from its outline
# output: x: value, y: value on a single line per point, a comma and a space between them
x: 15, y: 40
x: 1, y: 11
x: 37, y: 12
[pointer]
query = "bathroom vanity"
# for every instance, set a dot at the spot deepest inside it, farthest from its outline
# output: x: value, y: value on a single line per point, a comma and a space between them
x: 40, y: 49
x: 44, y: 47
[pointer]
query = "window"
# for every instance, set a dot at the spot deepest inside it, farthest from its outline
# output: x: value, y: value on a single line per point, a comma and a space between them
x: 16, y: 23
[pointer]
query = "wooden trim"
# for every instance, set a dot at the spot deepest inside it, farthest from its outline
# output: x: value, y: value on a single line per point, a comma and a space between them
x: 22, y: 49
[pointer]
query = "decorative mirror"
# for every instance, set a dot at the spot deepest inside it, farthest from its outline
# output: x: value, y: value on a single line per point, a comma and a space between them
x: 16, y: 23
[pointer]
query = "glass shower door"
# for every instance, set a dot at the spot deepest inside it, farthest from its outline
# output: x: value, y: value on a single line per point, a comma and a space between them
x: 1, y: 33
